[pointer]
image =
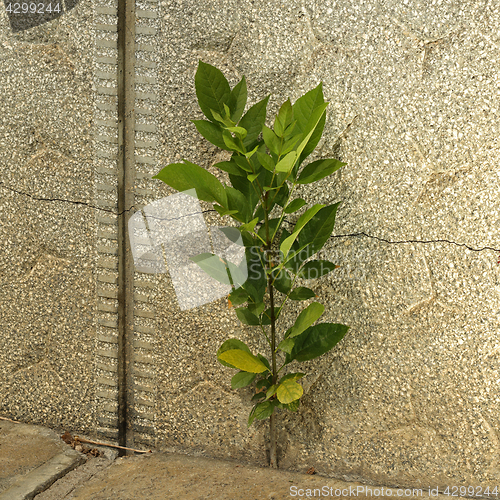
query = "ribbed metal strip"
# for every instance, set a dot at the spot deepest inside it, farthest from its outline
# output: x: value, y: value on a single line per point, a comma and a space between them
x: 113, y: 166
x: 105, y: 196
x: 146, y: 140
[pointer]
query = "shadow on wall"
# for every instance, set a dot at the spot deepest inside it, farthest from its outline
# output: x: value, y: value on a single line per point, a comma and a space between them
x: 26, y: 15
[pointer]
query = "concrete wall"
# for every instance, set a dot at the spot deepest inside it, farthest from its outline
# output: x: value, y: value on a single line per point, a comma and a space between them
x: 410, y: 396
x: 47, y: 263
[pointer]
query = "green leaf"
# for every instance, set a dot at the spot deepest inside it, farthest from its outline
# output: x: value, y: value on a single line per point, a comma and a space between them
x: 318, y: 170
x: 266, y: 161
x: 243, y: 360
x: 281, y: 280
x: 288, y: 131
x: 319, y: 229
x: 263, y: 383
x: 225, y: 121
x: 303, y: 220
x: 316, y: 116
x: 303, y: 109
x: 211, y: 132
x: 295, y: 259
x: 212, y: 89
x: 262, y: 411
x: 247, y: 317
x: 306, y: 318
x: 242, y: 379
x: 238, y: 99
x: 301, y: 293
x: 241, y: 183
x: 224, y: 211
x: 265, y: 361
x: 236, y: 201
x: 230, y: 142
x: 248, y: 238
x: 259, y: 395
x: 249, y: 226
x: 293, y: 406
x: 289, y: 390
x: 295, y: 205
x: 242, y: 162
x: 266, y: 315
x: 256, y: 307
x: 227, y: 346
x: 283, y: 118
x: 314, y: 138
x: 255, y: 284
x: 238, y: 296
x: 220, y: 269
x: 272, y: 225
x: 286, y: 345
x: 271, y: 391
x: 316, y: 268
x: 287, y: 162
x: 229, y: 166
x: 253, y: 121
x: 315, y: 341
x: 232, y: 233
x: 252, y: 177
x: 251, y: 153
x: 240, y: 131
x: 290, y: 144
x: 272, y: 142
x: 213, y: 265
x: 187, y: 175
x: 283, y: 195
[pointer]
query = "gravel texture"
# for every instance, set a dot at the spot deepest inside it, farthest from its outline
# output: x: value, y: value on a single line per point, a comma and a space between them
x: 411, y: 394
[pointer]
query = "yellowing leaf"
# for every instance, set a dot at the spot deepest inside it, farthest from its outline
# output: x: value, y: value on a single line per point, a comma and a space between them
x: 243, y: 360
x: 289, y: 390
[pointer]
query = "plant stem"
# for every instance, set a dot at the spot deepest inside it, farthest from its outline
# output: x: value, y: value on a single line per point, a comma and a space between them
x: 273, y: 462
x: 272, y: 423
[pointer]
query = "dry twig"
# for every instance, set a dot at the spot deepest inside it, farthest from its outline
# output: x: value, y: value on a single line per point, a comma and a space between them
x: 9, y: 420
x: 88, y: 441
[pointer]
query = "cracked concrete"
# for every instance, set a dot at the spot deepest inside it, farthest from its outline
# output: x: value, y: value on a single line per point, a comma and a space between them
x: 413, y: 114
x: 410, y: 396
x: 285, y: 220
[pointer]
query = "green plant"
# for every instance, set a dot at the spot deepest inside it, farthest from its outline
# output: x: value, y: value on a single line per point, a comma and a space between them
x: 264, y: 169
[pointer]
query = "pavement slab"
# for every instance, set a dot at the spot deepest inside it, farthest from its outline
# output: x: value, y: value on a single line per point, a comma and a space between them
x: 161, y: 476
x: 36, y: 463
x: 31, y: 459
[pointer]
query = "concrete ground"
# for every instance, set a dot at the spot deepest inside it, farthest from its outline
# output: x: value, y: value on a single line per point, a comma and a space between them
x: 36, y: 463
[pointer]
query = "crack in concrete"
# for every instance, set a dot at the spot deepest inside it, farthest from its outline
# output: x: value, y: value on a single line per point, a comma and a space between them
x: 36, y: 198
x: 351, y: 235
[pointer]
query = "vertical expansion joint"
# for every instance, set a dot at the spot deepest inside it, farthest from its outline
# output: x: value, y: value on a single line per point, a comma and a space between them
x: 126, y: 180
